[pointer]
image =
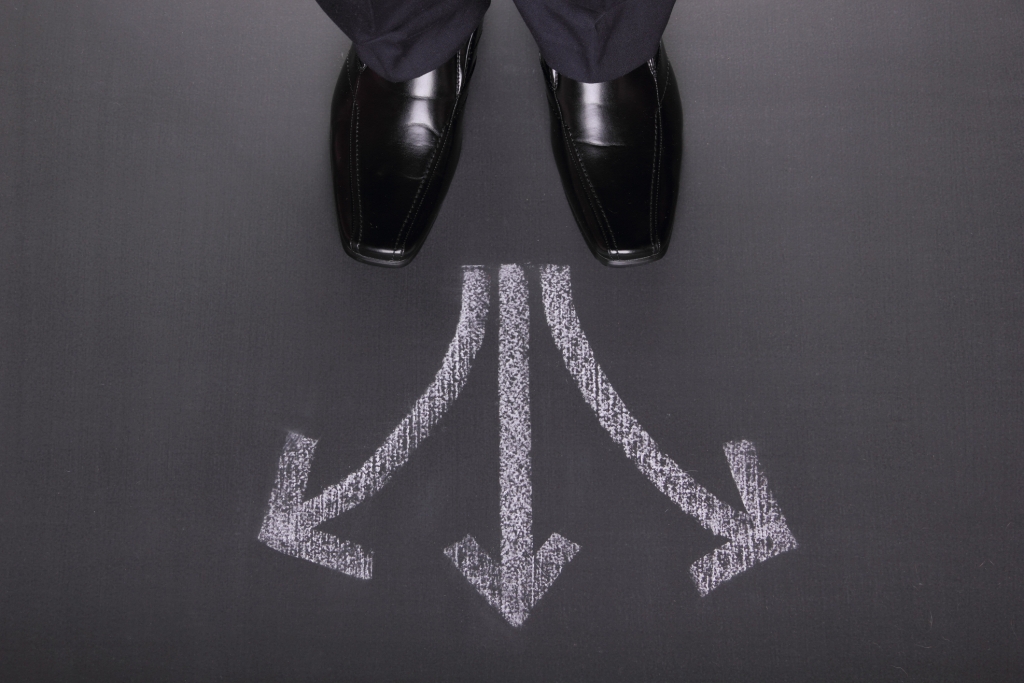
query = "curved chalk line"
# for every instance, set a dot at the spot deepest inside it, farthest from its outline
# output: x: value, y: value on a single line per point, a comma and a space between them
x: 290, y: 523
x: 754, y: 536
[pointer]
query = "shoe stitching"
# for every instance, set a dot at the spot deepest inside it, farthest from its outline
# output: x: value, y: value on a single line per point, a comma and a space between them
x: 660, y: 86
x: 351, y: 137
x: 354, y: 167
x: 656, y: 178
x: 353, y: 154
x: 664, y: 88
x: 411, y: 216
x: 656, y: 170
x: 421, y: 191
x: 592, y: 197
x: 458, y: 84
x: 354, y: 171
x: 573, y: 152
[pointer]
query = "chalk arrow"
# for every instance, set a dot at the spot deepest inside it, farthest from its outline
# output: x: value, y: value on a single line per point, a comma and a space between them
x: 515, y: 585
x: 754, y: 535
x: 290, y: 523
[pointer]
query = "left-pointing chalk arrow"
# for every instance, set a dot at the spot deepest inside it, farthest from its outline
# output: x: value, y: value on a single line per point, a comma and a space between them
x: 290, y: 523
x: 514, y: 585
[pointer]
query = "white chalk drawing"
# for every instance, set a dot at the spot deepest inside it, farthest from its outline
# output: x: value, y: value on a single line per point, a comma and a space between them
x: 514, y: 585
x: 290, y: 524
x: 754, y: 536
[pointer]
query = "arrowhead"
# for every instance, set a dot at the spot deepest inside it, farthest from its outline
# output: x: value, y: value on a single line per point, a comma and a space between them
x: 556, y: 552
x: 290, y: 523
x: 287, y: 526
x: 512, y: 590
x: 479, y: 569
x: 754, y: 536
x: 760, y: 534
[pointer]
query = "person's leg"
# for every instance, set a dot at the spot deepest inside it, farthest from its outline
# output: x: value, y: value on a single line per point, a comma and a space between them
x: 596, y: 40
x: 403, y: 39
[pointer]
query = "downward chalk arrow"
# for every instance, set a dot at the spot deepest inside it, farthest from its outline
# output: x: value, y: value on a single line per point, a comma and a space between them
x: 755, y: 535
x: 290, y: 523
x: 514, y: 586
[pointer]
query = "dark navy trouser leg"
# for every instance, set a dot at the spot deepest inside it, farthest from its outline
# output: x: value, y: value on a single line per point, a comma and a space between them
x: 596, y: 40
x: 403, y: 39
x: 587, y: 40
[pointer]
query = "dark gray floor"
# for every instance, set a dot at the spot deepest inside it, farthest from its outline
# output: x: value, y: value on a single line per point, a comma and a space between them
x: 845, y: 288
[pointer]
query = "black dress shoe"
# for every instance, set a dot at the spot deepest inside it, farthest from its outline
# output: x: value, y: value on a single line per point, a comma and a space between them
x: 619, y: 146
x: 394, y: 148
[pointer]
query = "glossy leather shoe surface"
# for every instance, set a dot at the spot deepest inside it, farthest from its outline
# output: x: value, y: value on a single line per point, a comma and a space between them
x: 618, y: 146
x: 394, y: 148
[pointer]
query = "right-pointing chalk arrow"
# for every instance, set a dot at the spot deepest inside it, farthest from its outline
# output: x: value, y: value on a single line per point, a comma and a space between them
x: 515, y: 585
x: 755, y: 535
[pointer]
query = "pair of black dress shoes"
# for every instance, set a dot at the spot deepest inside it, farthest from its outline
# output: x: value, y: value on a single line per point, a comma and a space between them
x: 394, y: 148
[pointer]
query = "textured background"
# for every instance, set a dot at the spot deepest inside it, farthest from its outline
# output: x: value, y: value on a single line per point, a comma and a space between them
x: 845, y: 288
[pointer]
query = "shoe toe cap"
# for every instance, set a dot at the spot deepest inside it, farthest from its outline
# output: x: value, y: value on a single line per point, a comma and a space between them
x: 630, y: 257
x: 385, y: 254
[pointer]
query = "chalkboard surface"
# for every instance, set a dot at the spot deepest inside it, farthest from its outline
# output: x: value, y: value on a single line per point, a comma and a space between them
x: 790, y: 450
